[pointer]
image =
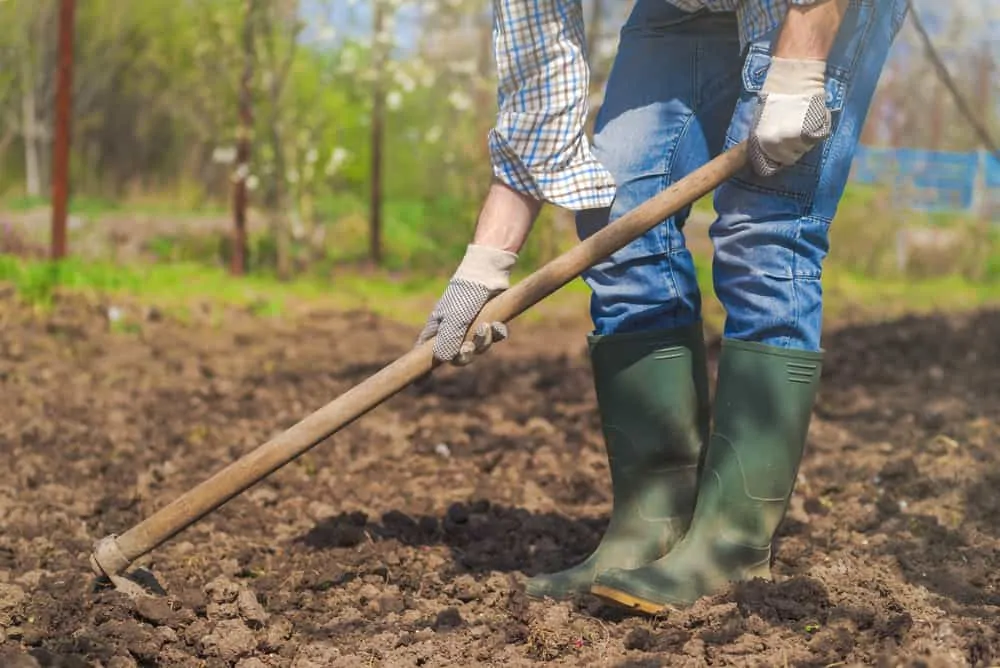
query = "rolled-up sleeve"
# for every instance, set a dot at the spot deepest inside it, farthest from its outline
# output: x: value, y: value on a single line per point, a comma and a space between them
x: 539, y: 144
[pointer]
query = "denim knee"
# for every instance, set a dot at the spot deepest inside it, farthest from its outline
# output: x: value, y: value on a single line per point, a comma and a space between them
x: 648, y: 284
x: 655, y: 127
x: 772, y: 234
x: 767, y: 273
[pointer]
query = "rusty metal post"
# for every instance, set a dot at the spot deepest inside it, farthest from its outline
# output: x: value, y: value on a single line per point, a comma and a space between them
x: 61, y: 148
x: 238, y: 264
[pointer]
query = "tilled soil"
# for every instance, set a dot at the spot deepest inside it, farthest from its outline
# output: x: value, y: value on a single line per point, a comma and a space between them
x: 404, y: 540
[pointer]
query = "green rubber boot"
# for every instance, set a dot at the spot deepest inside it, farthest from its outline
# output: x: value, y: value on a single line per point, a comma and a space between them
x: 652, y: 394
x: 763, y: 404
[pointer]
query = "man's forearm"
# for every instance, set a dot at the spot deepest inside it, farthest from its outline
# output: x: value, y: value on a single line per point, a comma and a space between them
x: 809, y: 31
x: 506, y: 218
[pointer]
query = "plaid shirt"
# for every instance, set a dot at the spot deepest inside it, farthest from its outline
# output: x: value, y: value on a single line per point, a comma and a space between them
x: 539, y: 146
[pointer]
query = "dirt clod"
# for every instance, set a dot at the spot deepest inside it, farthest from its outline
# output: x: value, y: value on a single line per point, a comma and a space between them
x: 229, y: 640
x: 250, y: 609
x: 222, y: 590
x: 14, y: 658
x: 316, y: 655
x: 449, y: 618
x: 156, y: 611
x: 11, y: 596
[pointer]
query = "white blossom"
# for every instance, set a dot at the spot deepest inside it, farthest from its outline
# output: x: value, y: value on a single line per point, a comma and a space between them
x: 338, y: 156
x: 224, y: 155
x: 460, y: 100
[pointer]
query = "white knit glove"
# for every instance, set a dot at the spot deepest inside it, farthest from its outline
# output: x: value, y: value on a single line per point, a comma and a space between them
x: 483, y: 274
x: 791, y: 117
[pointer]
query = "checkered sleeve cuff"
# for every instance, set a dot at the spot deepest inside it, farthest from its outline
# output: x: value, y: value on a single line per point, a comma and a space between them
x: 538, y: 145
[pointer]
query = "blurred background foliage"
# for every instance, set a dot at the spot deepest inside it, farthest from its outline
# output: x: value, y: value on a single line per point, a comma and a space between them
x: 156, y: 97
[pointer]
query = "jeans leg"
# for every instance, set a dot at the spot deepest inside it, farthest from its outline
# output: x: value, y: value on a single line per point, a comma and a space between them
x: 771, y: 234
x: 667, y: 105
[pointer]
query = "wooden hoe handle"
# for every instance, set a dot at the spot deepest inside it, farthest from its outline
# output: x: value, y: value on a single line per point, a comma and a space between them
x: 113, y: 554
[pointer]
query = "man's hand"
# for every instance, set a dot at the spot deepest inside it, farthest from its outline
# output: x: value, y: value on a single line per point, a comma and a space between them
x: 504, y: 223
x: 483, y: 274
x: 792, y: 117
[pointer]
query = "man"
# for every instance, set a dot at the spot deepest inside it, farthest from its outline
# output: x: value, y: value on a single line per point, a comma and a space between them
x: 691, y: 511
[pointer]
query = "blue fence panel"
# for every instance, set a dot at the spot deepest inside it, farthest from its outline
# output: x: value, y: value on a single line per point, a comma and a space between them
x: 940, y: 181
x: 991, y: 170
x: 925, y: 180
x: 873, y: 166
x: 991, y: 186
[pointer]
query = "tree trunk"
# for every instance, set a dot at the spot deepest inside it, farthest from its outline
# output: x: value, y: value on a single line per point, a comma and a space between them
x: 29, y: 125
x: 594, y: 29
x: 595, y: 24
x: 377, y: 136
x: 277, y: 200
x: 279, y: 204
x: 239, y: 250
x: 63, y: 118
x: 9, y: 134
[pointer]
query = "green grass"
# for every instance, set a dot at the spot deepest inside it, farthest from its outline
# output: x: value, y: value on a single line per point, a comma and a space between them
x: 95, y: 207
x: 424, y: 241
x: 37, y: 281
x: 175, y: 288
x: 895, y: 297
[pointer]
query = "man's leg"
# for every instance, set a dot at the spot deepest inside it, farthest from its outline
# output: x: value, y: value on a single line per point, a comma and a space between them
x: 666, y: 112
x: 770, y: 240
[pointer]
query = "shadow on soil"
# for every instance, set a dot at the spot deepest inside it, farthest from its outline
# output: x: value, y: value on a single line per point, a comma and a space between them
x: 482, y: 537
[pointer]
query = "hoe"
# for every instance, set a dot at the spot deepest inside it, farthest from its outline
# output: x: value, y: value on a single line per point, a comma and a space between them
x: 115, y: 553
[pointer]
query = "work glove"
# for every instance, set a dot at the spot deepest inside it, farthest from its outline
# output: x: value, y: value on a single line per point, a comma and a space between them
x: 791, y: 117
x: 483, y: 274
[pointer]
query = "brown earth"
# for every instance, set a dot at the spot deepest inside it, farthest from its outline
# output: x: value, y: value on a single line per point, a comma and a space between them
x: 404, y: 540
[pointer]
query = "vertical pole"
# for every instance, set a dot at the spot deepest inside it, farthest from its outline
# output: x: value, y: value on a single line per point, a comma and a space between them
x: 937, y: 116
x: 594, y: 28
x: 60, y: 151
x: 378, y: 134
x: 239, y: 257
x: 869, y: 131
x: 985, y: 94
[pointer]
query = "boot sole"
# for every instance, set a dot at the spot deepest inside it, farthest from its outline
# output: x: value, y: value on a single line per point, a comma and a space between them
x: 629, y: 601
